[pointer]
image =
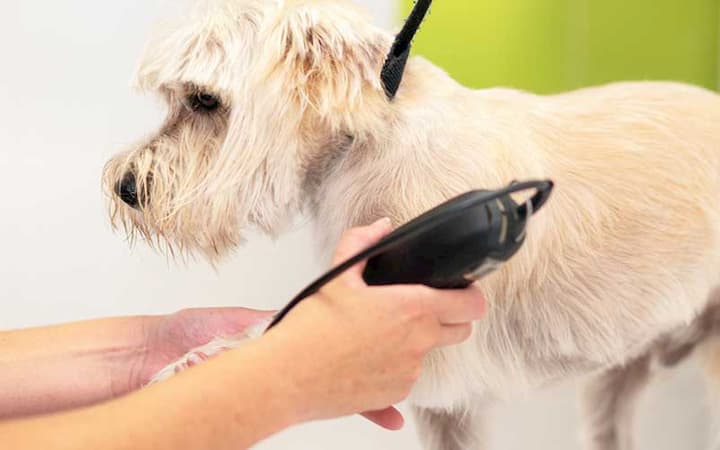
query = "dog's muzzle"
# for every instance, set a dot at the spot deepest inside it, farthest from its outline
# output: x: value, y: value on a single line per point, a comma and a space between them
x: 126, y: 189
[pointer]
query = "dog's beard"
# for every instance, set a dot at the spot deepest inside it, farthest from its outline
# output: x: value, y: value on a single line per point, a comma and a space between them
x: 175, y: 213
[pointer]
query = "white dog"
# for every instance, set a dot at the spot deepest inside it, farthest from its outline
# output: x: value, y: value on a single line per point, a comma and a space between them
x: 276, y: 108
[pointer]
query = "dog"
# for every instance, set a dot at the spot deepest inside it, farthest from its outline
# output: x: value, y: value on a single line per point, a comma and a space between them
x: 276, y: 108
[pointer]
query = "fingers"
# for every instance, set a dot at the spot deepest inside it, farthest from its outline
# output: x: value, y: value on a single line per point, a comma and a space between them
x: 390, y: 418
x: 456, y: 312
x: 458, y: 306
x: 448, y: 306
x: 454, y: 334
x: 356, y: 240
x: 448, y: 314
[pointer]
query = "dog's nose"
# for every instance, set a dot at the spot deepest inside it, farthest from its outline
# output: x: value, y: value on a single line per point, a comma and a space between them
x: 126, y: 189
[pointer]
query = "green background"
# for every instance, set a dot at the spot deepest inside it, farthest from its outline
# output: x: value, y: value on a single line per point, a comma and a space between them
x: 548, y: 46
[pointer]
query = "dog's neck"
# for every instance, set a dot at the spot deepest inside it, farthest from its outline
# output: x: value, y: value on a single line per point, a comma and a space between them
x: 411, y: 154
x: 321, y: 162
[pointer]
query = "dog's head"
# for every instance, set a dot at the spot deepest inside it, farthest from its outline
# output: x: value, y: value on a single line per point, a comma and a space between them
x: 257, y: 92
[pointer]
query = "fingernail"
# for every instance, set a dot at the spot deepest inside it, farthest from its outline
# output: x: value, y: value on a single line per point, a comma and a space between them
x: 385, y: 223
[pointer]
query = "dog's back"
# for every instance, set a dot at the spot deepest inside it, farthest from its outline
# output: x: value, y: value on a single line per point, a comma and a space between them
x: 627, y: 252
x: 628, y: 247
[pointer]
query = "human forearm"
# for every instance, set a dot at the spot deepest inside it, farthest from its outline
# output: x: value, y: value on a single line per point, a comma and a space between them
x: 50, y: 369
x: 233, y: 401
x: 350, y: 348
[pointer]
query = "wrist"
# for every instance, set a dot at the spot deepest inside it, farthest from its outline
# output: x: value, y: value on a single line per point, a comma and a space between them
x: 292, y: 378
x: 241, y: 397
x: 133, y: 366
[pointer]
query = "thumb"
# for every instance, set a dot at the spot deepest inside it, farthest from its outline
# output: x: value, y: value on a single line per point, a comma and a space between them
x: 358, y: 239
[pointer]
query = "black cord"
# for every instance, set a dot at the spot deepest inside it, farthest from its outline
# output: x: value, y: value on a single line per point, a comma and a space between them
x: 403, y: 40
x: 394, y: 67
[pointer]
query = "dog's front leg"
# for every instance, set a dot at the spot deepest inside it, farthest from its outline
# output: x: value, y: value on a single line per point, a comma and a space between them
x: 196, y: 356
x: 462, y: 429
x: 609, y: 401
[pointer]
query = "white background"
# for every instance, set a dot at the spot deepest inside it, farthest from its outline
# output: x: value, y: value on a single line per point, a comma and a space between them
x: 65, y: 107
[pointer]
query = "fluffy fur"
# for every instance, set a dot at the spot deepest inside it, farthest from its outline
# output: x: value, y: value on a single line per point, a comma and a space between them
x: 618, y: 271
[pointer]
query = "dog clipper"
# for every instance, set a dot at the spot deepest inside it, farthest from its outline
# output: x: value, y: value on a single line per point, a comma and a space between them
x: 449, y: 247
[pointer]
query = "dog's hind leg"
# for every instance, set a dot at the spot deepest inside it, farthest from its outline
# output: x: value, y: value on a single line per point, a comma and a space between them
x: 458, y: 430
x: 608, y: 405
x: 710, y: 355
x: 609, y: 399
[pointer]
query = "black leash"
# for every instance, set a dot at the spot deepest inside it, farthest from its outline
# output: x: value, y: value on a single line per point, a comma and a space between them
x: 394, y: 68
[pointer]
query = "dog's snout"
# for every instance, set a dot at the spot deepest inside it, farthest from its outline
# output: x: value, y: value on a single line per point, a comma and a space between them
x: 126, y: 189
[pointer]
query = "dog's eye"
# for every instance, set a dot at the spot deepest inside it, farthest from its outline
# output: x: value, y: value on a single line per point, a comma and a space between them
x: 203, y: 101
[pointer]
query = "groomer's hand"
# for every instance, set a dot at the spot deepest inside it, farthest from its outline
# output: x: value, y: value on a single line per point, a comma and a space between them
x: 168, y: 338
x: 355, y: 348
x: 349, y: 349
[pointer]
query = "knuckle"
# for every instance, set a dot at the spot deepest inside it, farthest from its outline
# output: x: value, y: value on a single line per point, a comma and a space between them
x: 410, y: 310
x: 416, y: 309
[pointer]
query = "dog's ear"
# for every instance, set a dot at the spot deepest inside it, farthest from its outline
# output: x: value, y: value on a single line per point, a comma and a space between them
x: 330, y: 52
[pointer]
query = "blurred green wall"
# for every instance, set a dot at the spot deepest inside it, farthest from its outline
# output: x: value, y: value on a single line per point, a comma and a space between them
x: 548, y: 46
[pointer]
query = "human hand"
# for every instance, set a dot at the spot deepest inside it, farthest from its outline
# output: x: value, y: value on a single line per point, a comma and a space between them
x: 354, y: 348
x: 168, y: 338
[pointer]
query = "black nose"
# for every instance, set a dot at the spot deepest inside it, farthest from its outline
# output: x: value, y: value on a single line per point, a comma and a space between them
x: 126, y: 189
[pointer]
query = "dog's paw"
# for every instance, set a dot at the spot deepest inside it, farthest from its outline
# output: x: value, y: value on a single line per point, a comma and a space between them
x: 201, y: 354
x: 196, y: 357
